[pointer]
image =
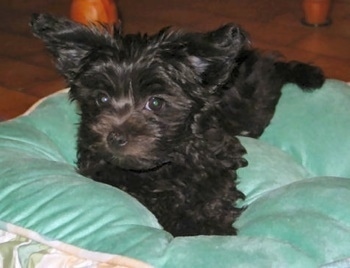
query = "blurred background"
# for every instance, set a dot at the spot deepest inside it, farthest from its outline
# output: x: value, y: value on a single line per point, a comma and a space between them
x: 28, y: 74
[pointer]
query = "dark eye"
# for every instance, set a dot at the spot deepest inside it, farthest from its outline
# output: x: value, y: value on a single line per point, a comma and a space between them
x: 154, y: 104
x: 102, y: 98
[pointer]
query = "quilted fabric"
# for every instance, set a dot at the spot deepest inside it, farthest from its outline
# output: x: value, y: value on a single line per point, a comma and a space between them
x: 297, y: 187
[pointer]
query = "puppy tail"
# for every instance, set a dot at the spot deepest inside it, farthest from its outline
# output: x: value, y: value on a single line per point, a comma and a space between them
x: 306, y: 76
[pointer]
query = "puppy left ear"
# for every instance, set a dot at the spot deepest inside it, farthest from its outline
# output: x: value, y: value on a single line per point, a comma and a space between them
x: 214, y: 54
x: 68, y: 41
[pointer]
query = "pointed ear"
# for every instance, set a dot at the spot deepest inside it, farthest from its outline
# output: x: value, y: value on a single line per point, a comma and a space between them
x: 214, y: 55
x: 68, y: 41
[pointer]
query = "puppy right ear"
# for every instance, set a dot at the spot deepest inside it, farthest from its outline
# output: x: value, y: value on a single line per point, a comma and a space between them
x: 68, y: 41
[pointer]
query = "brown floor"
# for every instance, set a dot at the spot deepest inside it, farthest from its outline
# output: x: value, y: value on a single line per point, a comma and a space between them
x: 27, y: 73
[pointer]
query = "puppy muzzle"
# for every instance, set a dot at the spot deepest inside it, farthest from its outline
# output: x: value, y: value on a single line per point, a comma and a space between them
x: 117, y: 139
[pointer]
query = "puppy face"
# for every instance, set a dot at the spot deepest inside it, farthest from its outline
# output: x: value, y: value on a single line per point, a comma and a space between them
x: 139, y: 95
x: 135, y: 115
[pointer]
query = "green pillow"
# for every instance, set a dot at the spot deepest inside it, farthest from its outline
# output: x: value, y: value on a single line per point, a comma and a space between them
x: 314, y: 128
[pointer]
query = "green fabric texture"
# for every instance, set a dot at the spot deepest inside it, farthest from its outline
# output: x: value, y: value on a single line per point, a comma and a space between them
x: 297, y: 187
x: 312, y: 128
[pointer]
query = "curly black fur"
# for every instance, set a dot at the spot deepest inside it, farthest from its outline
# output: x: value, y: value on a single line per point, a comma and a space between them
x: 160, y: 113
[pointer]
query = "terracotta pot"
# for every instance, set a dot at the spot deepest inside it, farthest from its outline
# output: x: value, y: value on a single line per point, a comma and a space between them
x: 94, y: 11
x: 316, y: 12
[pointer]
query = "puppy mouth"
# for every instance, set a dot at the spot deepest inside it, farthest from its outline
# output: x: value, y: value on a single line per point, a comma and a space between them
x: 134, y: 153
x: 139, y: 165
x: 148, y: 168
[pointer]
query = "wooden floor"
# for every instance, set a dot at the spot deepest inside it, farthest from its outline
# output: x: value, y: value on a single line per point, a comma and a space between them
x: 27, y: 73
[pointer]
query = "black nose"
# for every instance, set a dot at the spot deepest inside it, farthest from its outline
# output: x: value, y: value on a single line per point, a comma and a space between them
x: 117, y: 138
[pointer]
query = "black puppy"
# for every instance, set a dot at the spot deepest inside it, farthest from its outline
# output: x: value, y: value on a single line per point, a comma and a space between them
x: 160, y: 113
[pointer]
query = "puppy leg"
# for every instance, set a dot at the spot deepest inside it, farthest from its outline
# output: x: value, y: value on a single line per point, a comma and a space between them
x: 256, y: 88
x: 306, y: 76
x: 208, y: 211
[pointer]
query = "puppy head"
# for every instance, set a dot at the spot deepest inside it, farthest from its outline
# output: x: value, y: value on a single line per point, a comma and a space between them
x: 139, y: 95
